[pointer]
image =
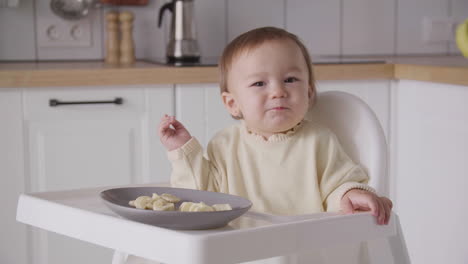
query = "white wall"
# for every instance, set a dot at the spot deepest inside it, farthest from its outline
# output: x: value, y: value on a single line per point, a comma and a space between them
x: 332, y: 27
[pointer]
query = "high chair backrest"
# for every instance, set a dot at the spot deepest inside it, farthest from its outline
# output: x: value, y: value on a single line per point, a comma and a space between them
x: 358, y: 130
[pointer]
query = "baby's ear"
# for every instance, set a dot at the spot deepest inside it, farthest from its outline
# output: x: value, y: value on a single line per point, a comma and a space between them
x: 312, y: 93
x: 230, y: 103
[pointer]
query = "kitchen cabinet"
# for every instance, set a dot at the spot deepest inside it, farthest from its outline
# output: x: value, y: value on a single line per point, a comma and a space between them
x: 75, y: 146
x: 200, y: 108
x: 430, y: 169
x: 14, y: 235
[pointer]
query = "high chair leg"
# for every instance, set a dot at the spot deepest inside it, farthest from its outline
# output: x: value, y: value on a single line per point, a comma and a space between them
x: 398, y: 245
x: 124, y: 258
x: 119, y: 257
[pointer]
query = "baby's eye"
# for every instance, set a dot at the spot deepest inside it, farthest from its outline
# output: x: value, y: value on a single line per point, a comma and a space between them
x: 290, y: 80
x: 258, y: 84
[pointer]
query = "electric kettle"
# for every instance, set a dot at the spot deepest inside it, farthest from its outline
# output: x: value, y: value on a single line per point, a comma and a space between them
x: 182, y: 45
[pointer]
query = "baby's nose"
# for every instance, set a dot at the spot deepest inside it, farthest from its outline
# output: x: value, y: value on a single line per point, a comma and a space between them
x: 278, y: 91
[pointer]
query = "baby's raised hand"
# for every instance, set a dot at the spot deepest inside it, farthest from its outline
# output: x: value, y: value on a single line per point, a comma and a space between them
x: 361, y: 200
x: 172, y: 133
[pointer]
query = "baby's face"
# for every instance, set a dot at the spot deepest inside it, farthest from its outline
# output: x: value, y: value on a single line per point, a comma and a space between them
x: 269, y: 86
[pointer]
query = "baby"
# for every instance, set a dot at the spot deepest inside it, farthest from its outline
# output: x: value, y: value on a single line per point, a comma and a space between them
x: 284, y: 164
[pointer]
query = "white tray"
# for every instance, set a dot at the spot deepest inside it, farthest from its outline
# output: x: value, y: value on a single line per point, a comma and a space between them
x: 82, y: 215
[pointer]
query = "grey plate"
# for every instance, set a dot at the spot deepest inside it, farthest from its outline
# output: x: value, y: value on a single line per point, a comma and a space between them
x: 117, y: 200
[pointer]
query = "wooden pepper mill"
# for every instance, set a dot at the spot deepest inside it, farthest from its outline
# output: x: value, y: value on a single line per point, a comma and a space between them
x: 127, y: 46
x: 112, y: 41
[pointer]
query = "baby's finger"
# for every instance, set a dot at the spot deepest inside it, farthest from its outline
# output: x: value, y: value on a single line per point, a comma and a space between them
x: 164, y: 126
x: 177, y: 125
x: 374, y: 206
x: 165, y: 117
x: 388, y: 202
x: 388, y: 210
x: 382, y: 215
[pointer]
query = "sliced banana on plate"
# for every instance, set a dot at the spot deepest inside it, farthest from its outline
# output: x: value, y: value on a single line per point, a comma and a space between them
x: 222, y: 207
x: 170, y: 198
x: 185, y: 206
x: 202, y: 207
x: 166, y: 202
x: 143, y: 202
x: 163, y: 206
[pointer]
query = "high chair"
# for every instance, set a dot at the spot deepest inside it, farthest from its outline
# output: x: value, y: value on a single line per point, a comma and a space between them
x: 315, y: 238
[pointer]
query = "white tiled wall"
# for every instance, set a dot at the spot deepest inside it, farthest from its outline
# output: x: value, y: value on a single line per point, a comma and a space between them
x: 332, y: 27
x: 317, y: 23
x: 17, y: 32
x: 211, y: 26
x: 368, y: 27
x: 411, y: 13
x: 244, y: 15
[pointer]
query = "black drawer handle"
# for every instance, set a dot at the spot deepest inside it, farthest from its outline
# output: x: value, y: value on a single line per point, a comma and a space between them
x: 55, y: 102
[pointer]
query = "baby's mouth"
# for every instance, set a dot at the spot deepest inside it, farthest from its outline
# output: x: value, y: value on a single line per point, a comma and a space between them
x: 278, y: 108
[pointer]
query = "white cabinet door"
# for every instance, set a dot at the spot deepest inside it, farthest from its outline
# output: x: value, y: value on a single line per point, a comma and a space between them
x: 86, y: 145
x: 200, y: 108
x: 430, y: 179
x: 13, y: 238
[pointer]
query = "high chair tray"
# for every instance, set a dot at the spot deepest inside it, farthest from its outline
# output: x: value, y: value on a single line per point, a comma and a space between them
x: 81, y: 214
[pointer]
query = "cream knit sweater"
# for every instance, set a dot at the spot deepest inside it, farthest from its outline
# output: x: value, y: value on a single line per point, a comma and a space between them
x: 303, y: 171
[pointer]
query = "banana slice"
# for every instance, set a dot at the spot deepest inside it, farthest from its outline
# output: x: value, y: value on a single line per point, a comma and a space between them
x: 142, y: 202
x: 165, y: 207
x: 159, y: 202
x: 132, y: 203
x: 185, y: 206
x: 155, y: 196
x: 202, y: 207
x: 222, y: 207
x: 170, y: 198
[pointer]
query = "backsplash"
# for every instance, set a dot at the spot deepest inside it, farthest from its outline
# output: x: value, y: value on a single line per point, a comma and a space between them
x: 332, y: 27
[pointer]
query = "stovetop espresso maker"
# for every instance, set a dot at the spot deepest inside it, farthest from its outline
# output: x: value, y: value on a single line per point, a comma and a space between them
x: 183, y: 44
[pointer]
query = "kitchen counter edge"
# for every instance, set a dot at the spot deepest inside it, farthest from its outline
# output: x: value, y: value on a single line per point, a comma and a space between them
x: 451, y: 70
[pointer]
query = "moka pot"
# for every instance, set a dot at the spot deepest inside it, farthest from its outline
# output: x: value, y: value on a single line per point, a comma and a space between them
x: 183, y: 44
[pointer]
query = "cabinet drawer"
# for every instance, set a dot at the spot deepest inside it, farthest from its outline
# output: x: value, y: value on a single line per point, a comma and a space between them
x: 83, y: 103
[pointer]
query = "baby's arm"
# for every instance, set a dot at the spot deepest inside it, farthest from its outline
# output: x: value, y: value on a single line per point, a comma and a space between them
x: 190, y: 169
x: 344, y: 184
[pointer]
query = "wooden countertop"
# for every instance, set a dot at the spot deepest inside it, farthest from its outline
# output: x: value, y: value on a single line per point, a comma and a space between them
x: 443, y: 69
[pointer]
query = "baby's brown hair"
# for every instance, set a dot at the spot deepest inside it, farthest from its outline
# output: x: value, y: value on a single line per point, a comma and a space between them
x: 252, y: 39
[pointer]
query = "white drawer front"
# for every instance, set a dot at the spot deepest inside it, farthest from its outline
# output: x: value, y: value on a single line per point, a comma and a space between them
x: 37, y: 103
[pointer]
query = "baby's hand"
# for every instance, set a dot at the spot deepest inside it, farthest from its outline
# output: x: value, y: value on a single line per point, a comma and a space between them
x: 172, y: 137
x: 361, y: 200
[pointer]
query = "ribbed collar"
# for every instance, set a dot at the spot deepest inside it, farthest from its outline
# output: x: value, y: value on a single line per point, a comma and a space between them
x: 273, y: 138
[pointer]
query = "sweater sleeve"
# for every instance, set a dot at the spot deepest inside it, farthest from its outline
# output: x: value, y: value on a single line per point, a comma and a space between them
x: 191, y: 169
x: 337, y: 173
